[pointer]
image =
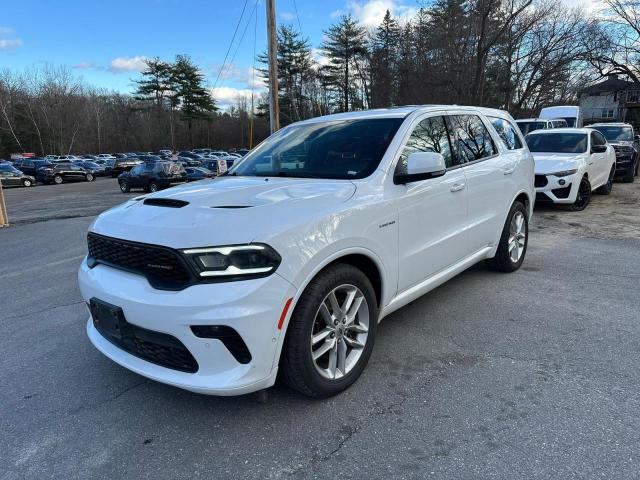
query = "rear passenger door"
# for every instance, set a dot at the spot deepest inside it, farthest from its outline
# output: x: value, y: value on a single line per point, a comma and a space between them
x: 485, y: 170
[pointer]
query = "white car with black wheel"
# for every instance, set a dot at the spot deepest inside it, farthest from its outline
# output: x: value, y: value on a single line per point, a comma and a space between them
x: 288, y: 262
x: 570, y: 164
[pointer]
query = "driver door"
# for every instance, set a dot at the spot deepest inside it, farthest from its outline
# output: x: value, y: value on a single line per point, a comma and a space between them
x: 432, y: 213
x: 598, y: 166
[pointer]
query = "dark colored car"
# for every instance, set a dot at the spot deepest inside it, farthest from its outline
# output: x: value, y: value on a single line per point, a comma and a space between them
x: 124, y: 165
x: 212, y: 165
x: 621, y: 137
x: 10, y: 176
x: 65, y: 172
x: 242, y: 151
x: 94, y: 167
x: 190, y: 162
x: 191, y: 155
x: 152, y: 176
x: 30, y: 166
x: 198, y: 173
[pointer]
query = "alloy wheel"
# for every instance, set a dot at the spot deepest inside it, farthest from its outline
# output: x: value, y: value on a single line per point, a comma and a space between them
x: 340, y: 331
x: 584, y: 195
x: 517, y: 236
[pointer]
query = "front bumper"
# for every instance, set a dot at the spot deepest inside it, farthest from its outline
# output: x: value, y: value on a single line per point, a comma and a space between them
x: 557, y: 189
x: 252, y: 308
x: 624, y: 165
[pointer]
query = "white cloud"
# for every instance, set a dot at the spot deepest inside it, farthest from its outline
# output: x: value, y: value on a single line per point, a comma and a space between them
x: 5, y: 31
x: 589, y: 6
x: 371, y: 12
x: 128, y: 64
x: 85, y: 66
x: 226, y: 96
x: 287, y: 16
x: 237, y: 74
x: 319, y: 57
x: 10, y: 43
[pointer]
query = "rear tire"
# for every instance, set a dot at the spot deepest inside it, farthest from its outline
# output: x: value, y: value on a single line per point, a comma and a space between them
x: 513, y: 241
x: 124, y: 187
x: 584, y: 196
x: 90, y: 177
x: 331, y: 332
x: 153, y: 187
x: 607, y: 187
x: 27, y: 183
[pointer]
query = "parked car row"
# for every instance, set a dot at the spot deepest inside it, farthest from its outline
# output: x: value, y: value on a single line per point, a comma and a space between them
x: 56, y: 169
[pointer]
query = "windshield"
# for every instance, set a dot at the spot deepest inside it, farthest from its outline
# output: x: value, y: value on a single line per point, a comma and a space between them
x: 526, y: 127
x: 616, y: 134
x: 558, y: 142
x: 346, y: 149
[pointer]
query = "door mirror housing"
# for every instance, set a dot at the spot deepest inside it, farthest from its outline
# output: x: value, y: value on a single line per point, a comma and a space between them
x: 598, y: 148
x: 421, y: 166
x: 636, y: 138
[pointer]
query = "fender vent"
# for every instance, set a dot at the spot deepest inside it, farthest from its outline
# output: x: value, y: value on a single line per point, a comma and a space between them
x: 165, y: 202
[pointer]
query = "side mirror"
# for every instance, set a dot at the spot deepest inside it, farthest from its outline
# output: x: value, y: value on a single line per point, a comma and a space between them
x: 421, y: 166
x: 598, y: 148
x: 636, y: 138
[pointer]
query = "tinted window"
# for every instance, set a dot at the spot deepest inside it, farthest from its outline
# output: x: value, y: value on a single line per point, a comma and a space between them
x: 507, y: 133
x: 430, y: 135
x: 558, y: 142
x: 137, y: 170
x: 616, y: 134
x: 470, y: 138
x: 345, y: 149
x: 528, y: 127
x: 598, y: 139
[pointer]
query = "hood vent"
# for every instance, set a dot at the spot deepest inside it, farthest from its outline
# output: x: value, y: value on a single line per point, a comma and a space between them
x: 165, y: 202
x: 232, y: 206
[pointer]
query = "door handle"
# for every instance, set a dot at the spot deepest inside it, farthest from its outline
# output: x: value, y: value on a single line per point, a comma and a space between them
x: 456, y: 187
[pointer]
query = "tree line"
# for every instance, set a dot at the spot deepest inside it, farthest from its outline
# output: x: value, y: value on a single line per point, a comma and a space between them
x: 518, y: 55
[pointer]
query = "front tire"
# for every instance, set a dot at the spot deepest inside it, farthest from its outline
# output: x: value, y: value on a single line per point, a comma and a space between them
x: 513, y: 241
x: 124, y: 187
x: 153, y: 187
x: 584, y: 196
x: 26, y: 182
x: 331, y: 333
x: 90, y: 177
x: 57, y: 179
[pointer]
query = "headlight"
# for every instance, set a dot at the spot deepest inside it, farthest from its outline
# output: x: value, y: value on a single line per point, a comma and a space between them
x: 564, y: 173
x: 253, y: 260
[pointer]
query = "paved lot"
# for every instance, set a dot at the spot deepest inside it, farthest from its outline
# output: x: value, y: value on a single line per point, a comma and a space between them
x: 528, y: 375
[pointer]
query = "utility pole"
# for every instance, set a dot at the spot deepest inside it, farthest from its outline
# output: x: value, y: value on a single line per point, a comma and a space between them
x: 274, y: 110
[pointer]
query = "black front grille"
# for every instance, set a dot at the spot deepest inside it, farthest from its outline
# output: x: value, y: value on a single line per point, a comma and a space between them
x: 163, y: 267
x: 541, y: 181
x: 542, y: 198
x: 155, y: 347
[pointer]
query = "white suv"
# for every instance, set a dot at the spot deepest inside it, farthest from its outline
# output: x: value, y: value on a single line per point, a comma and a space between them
x: 289, y: 261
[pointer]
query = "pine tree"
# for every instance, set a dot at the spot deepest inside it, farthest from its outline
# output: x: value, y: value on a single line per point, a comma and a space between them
x: 344, y: 45
x: 188, y: 92
x: 155, y: 83
x: 384, y: 62
x: 294, y: 71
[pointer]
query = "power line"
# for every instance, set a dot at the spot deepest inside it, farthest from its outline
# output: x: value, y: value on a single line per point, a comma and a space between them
x: 295, y: 7
x: 231, y: 43
x: 233, y: 57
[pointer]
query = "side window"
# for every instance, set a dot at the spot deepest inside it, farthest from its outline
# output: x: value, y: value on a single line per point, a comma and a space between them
x: 507, y: 133
x: 470, y: 138
x: 598, y: 139
x: 430, y: 135
x: 137, y: 170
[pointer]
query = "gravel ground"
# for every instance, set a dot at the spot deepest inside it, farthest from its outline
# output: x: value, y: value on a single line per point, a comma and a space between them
x: 530, y: 375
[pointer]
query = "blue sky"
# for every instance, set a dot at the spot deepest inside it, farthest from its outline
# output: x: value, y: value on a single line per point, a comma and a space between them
x: 106, y: 41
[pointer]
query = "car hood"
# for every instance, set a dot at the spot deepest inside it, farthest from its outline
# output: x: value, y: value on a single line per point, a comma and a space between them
x: 223, y: 211
x: 557, y: 162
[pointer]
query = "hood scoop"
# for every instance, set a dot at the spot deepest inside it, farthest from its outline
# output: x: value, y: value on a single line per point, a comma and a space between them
x: 232, y: 206
x: 165, y: 202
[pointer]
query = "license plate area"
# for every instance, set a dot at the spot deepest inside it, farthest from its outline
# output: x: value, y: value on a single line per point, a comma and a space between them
x: 109, y: 320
